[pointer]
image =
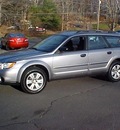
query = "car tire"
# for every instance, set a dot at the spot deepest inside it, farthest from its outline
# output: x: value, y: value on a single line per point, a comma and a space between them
x: 6, y: 47
x: 33, y: 80
x: 114, y: 72
x: 2, y: 46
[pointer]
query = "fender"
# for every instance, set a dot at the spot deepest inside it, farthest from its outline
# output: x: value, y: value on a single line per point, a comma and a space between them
x: 111, y: 61
x: 31, y: 63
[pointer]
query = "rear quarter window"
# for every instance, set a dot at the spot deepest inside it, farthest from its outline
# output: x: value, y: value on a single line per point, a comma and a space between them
x: 113, y: 41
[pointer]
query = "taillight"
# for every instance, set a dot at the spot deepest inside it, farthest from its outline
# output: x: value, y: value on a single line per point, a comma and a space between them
x: 26, y: 40
x: 11, y: 40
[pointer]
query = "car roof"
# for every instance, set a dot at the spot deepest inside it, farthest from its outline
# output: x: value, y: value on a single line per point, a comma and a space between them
x: 89, y: 32
x: 68, y: 33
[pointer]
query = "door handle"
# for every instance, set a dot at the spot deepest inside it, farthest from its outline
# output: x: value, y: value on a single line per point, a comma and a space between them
x: 109, y: 52
x: 83, y: 55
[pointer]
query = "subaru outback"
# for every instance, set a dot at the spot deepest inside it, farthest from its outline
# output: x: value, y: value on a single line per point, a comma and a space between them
x: 63, y: 55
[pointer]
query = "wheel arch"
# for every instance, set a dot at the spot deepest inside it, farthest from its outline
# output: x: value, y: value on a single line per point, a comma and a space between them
x: 43, y: 66
x: 114, y: 76
x: 111, y: 62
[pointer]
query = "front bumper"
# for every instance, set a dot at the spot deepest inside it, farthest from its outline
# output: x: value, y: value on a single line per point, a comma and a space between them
x: 8, y: 76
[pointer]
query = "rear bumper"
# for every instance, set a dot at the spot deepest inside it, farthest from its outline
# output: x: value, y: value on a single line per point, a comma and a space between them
x: 18, y: 45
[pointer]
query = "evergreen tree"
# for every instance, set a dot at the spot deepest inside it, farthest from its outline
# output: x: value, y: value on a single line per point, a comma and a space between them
x: 46, y: 15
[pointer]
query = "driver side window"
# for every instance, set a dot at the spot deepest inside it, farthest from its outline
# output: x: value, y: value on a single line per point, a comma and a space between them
x: 74, y: 44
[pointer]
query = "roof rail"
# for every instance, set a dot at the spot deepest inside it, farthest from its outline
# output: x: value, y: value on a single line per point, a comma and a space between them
x: 87, y: 31
x: 95, y: 31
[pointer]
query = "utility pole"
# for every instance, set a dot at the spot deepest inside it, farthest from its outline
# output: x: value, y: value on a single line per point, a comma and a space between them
x: 98, y: 15
x: 0, y: 12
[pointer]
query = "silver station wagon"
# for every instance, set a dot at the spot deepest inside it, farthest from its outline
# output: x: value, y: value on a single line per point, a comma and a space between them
x: 64, y: 55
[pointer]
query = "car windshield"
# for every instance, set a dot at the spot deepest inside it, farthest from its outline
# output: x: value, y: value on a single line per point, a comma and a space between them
x: 16, y: 35
x: 50, y: 44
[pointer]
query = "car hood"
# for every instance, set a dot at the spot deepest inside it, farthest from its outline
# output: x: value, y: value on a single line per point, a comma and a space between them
x: 19, y: 55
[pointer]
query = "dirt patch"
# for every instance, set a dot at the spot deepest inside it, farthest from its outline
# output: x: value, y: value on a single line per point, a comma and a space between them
x: 3, y: 30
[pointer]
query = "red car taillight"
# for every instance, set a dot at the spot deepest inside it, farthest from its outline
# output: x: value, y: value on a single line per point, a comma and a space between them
x: 26, y: 40
x: 11, y: 40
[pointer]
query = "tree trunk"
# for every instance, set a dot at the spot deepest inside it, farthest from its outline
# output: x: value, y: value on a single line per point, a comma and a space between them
x: 0, y: 13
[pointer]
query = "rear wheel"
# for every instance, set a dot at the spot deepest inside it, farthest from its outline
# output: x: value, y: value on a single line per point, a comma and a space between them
x: 2, y: 45
x: 114, y: 71
x: 7, y: 47
x: 33, y: 80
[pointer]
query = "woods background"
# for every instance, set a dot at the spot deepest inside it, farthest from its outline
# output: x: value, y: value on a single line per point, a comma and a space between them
x: 60, y: 14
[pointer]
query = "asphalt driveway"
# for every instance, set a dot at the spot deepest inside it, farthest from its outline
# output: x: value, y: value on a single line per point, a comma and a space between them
x: 72, y: 104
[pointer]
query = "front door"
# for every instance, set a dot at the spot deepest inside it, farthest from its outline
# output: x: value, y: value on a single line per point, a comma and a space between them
x: 71, y: 61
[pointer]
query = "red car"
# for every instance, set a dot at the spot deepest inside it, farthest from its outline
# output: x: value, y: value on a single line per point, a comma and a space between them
x: 14, y: 41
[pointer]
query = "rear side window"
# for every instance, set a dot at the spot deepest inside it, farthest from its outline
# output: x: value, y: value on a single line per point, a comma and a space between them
x: 113, y: 41
x: 96, y: 42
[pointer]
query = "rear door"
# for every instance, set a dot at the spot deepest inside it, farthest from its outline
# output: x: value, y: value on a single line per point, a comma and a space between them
x: 99, y: 53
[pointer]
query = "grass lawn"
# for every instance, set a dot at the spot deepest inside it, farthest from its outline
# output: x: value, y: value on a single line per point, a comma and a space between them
x: 104, y: 26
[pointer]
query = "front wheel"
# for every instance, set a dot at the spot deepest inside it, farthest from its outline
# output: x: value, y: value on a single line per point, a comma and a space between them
x: 33, y: 80
x: 114, y: 72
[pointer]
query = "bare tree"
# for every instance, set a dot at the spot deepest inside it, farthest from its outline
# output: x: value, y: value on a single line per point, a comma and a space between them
x: 13, y: 12
x: 2, y: 2
x: 112, y: 11
x: 0, y: 11
x: 75, y: 11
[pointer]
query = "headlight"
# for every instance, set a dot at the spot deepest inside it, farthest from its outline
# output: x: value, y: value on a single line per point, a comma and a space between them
x: 6, y: 65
